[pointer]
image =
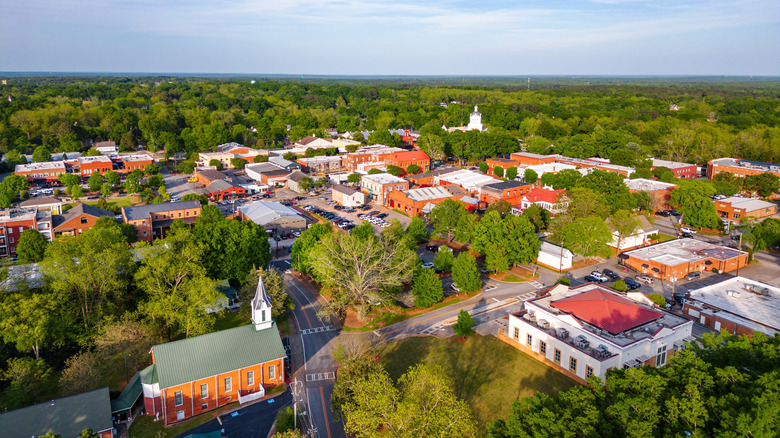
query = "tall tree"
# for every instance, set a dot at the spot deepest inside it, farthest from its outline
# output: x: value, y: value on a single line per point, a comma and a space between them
x: 445, y: 217
x: 443, y: 259
x: 232, y: 247
x: 530, y: 176
x: 416, y: 231
x: 27, y: 378
x: 95, y: 182
x: 426, y: 288
x: 587, y: 236
x: 300, y: 254
x: 281, y: 301
x: 26, y: 320
x: 31, y: 246
x: 465, y: 272
x: 697, y: 210
x: 513, y: 237
x: 625, y: 225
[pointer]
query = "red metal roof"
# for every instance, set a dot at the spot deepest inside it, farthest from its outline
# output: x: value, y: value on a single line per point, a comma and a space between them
x: 410, y: 156
x: 606, y: 310
x: 543, y: 195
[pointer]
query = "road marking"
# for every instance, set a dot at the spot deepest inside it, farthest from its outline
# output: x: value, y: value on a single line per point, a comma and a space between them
x: 326, y: 328
x: 495, y: 300
x: 536, y: 284
x: 320, y: 376
x: 490, y: 287
x: 325, y: 412
x: 428, y: 319
x: 526, y: 296
x: 302, y: 309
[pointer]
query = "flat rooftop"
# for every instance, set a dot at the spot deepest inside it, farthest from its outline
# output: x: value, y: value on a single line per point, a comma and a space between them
x: 751, y: 303
x: 675, y: 252
x: 647, y: 185
x: 749, y: 204
x: 748, y: 164
x: 46, y: 165
x: 467, y: 178
x: 670, y: 164
x: 428, y: 193
x: 94, y: 158
x: 136, y: 157
x: 383, y: 178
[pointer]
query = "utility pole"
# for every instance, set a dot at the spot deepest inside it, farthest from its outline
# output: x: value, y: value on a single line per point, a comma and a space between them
x: 739, y: 252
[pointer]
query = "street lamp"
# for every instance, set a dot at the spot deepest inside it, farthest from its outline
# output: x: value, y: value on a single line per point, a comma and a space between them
x: 296, y: 389
x: 127, y: 376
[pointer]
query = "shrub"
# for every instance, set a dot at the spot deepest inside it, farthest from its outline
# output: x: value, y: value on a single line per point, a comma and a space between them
x: 620, y: 286
x: 465, y: 324
x: 658, y: 299
x: 284, y: 419
x: 564, y: 281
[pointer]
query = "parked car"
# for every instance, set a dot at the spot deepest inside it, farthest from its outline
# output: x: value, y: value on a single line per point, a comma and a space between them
x: 736, y: 236
x: 665, y: 213
x: 631, y: 283
x: 455, y: 287
x: 675, y: 213
x: 609, y: 273
x: 687, y: 235
x: 381, y: 215
x: 593, y: 279
x: 486, y: 271
x: 645, y: 278
x: 693, y: 276
x: 427, y: 265
x: 600, y: 276
x: 687, y: 230
x: 373, y: 213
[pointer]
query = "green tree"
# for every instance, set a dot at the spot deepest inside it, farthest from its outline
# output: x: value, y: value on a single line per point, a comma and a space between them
x: 178, y: 288
x: 105, y: 191
x: 538, y: 216
x: 273, y: 283
x: 374, y: 171
x: 511, y: 173
x: 132, y: 184
x: 305, y: 183
x: 498, y: 171
x: 232, y: 247
x: 416, y: 231
x: 238, y: 163
x: 83, y: 372
x: 727, y: 183
x: 95, y: 182
x: 426, y: 288
x: 444, y: 259
x: 624, y: 225
x: 501, y: 206
x: 465, y: 272
x: 394, y: 170
x: 465, y: 228
x: 445, y: 217
x: 664, y: 174
x: 413, y: 169
x: 127, y: 340
x: 203, y: 199
x: 513, y: 237
x: 300, y: 254
x: 216, y: 163
x: 657, y: 299
x: 353, y: 178
x: 465, y: 324
x: 585, y: 202
x: 260, y: 159
x: 360, y: 269
x: 76, y: 192
x: 530, y: 176
x: 290, y: 156
x: 27, y: 378
x: 765, y: 184
x: 41, y: 154
x: 587, y: 236
x: 697, y: 210
x: 31, y: 246
x: 483, y: 167
x: 155, y: 180
x: 27, y: 320
x: 112, y: 178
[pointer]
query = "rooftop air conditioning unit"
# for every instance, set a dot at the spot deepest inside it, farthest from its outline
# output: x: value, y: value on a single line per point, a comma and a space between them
x: 532, y: 315
x: 544, y: 324
x: 562, y: 333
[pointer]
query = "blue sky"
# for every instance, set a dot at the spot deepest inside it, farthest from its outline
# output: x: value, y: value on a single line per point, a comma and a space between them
x: 393, y: 37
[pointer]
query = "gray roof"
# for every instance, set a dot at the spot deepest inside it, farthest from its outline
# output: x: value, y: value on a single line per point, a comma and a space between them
x: 343, y: 189
x: 33, y: 202
x: 263, y: 212
x: 219, y: 185
x: 141, y: 212
x: 279, y: 161
x: 296, y: 176
x: 212, y: 174
x: 79, y: 210
x: 216, y: 353
x: 66, y: 416
x: 505, y: 185
x: 263, y: 167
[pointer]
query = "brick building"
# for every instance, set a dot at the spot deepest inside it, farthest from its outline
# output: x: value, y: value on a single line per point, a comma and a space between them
x: 154, y: 220
x: 738, y: 208
x: 510, y: 191
x: 529, y: 159
x: 680, y: 170
x: 739, y: 305
x: 740, y: 167
x: 419, y: 201
x: 39, y: 173
x: 323, y: 164
x: 94, y: 164
x: 588, y: 330
x: 376, y: 155
x: 208, y: 176
x: 659, y: 190
x: 379, y: 185
x: 676, y: 258
x: 554, y: 201
x: 405, y: 159
x: 131, y: 162
x: 503, y: 163
x: 234, y: 365
x: 427, y: 179
x: 16, y: 220
x: 78, y: 219
x: 223, y: 189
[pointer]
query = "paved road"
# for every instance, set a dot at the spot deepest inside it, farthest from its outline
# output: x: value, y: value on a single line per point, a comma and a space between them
x: 312, y: 347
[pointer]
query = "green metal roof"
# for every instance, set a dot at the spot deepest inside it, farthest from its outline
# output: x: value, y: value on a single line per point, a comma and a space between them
x: 66, y: 416
x: 129, y: 395
x: 149, y: 375
x: 215, y: 353
x: 226, y: 289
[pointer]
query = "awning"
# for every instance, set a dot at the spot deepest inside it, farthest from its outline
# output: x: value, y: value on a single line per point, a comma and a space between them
x: 129, y: 395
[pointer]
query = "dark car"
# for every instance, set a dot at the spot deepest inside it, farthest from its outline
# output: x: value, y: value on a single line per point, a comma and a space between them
x: 735, y: 236
x: 675, y: 213
x: 381, y: 215
x: 609, y: 273
x: 687, y: 235
x: 665, y: 213
x: 631, y: 283
x: 373, y: 213
x: 593, y: 279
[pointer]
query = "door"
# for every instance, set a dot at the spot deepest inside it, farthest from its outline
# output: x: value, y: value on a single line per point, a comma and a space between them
x: 179, y: 415
x: 717, y: 326
x: 702, y: 319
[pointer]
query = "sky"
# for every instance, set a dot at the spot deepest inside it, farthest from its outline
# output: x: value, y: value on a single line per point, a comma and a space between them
x: 393, y: 37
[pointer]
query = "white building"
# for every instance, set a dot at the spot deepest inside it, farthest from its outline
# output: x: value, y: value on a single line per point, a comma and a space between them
x: 590, y: 329
x: 555, y: 257
x: 640, y: 237
x: 475, y: 123
x: 347, y: 197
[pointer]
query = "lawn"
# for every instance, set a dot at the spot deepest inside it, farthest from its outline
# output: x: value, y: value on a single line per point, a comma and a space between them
x: 664, y: 237
x: 228, y: 320
x: 126, y: 201
x: 485, y: 372
x: 144, y: 426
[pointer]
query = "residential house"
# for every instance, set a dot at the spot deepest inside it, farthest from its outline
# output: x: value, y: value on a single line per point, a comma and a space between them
x: 273, y: 216
x: 233, y: 365
x: 41, y: 173
x: 510, y: 191
x: 155, y: 220
x: 347, y: 197
x: 676, y: 258
x: 78, y: 219
x: 736, y: 208
x: 67, y: 417
x: 554, y: 201
x: 587, y: 330
x: 660, y: 191
x: 555, y: 257
x: 294, y: 182
x: 739, y: 305
x: 377, y: 186
x: 107, y: 147
x: 14, y: 221
x: 314, y: 142
x: 641, y: 236
x: 415, y: 202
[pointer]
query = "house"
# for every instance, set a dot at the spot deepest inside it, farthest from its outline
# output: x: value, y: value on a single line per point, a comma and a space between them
x: 739, y: 305
x: 503, y: 163
x: 554, y: 257
x: 294, y: 182
x: 228, y: 299
x: 680, y: 170
x: 155, y: 220
x: 676, y: 258
x: 14, y: 221
x: 377, y: 186
x: 67, y: 417
x: 347, y: 197
x: 737, y: 208
x: 314, y: 142
x: 78, y: 219
x: 107, y: 147
x: 48, y: 203
x: 587, y: 330
x: 415, y: 202
x: 641, y: 236
x: 273, y: 216
x: 94, y: 164
x: 234, y: 365
x: 41, y: 173
x: 554, y: 201
x: 208, y: 176
x: 510, y: 191
x: 224, y: 189
x: 405, y: 159
x: 659, y: 190
x: 530, y: 159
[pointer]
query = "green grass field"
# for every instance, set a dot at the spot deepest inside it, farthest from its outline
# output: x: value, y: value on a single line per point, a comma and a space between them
x: 127, y: 201
x: 485, y: 372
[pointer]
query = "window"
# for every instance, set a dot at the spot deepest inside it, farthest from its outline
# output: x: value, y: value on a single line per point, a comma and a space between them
x: 542, y: 347
x: 271, y: 372
x: 11, y: 239
x: 178, y: 400
x: 228, y: 384
x: 588, y: 372
x: 529, y: 340
x: 517, y: 333
x: 204, y: 390
x: 557, y: 356
x: 660, y: 359
x: 228, y: 399
x: 573, y: 364
x: 187, y: 213
x: 83, y: 220
x: 21, y: 229
x: 204, y: 406
x: 250, y: 378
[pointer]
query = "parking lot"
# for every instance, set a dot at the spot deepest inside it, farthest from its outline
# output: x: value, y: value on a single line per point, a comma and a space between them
x: 380, y: 216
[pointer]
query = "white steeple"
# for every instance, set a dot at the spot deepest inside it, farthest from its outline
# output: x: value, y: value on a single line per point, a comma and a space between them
x: 261, y: 307
x: 475, y: 120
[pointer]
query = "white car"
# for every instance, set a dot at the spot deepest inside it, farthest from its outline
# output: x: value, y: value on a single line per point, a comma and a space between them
x: 687, y: 230
x: 599, y: 275
x: 427, y: 265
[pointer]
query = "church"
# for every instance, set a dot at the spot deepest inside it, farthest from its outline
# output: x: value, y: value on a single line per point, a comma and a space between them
x: 475, y: 123
x: 202, y: 373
